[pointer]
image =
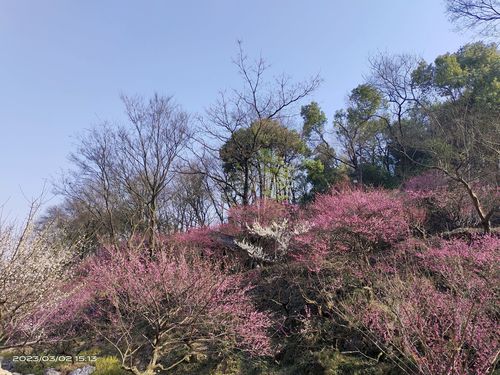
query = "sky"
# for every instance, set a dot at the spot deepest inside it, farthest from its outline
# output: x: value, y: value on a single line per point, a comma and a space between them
x: 64, y: 63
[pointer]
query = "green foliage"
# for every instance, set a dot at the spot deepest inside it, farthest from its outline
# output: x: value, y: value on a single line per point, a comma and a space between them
x: 314, y: 120
x: 108, y: 366
x: 321, y: 168
x: 362, y: 136
x: 336, y: 363
x: 461, y: 109
x: 322, y: 173
x: 327, y: 361
x: 364, y: 101
x: 261, y: 158
x: 245, y: 143
x: 235, y: 364
x: 471, y: 73
x: 375, y: 175
x: 448, y: 73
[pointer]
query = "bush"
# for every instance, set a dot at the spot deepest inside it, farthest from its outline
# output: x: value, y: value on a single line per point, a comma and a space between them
x: 435, y: 311
x: 352, y: 220
x: 170, y: 309
x: 447, y: 203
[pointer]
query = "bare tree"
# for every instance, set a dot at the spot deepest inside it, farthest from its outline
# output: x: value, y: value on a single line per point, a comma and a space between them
x: 392, y: 76
x: 189, y: 202
x: 92, y: 191
x: 121, y: 173
x: 148, y: 152
x: 259, y: 101
x: 482, y: 15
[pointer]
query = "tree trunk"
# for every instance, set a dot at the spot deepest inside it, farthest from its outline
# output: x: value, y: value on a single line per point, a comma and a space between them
x: 484, y: 217
x: 246, y: 185
x: 152, y: 226
x: 486, y: 224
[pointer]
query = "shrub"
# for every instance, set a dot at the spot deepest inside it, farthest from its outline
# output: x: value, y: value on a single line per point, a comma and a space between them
x: 352, y: 220
x: 440, y: 333
x: 448, y: 204
x: 438, y: 310
x: 159, y: 313
x: 371, y: 217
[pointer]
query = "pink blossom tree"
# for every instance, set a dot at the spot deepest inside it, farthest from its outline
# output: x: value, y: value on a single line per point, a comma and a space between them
x: 429, y: 308
x: 159, y: 313
x: 352, y: 220
x: 427, y: 304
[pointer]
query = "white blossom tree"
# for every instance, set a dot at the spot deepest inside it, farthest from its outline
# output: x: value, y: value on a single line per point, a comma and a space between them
x: 280, y: 235
x: 31, y: 265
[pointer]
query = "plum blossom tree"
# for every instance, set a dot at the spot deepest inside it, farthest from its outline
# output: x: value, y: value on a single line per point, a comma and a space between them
x: 32, y: 264
x: 352, y: 220
x: 159, y: 313
x: 442, y: 316
x: 429, y: 307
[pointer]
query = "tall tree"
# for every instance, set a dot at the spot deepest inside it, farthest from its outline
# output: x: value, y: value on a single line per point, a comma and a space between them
x: 392, y: 76
x: 188, y: 202
x: 361, y: 135
x: 121, y: 173
x: 259, y: 160
x: 445, y: 116
x: 461, y: 105
x: 322, y: 164
x: 237, y: 120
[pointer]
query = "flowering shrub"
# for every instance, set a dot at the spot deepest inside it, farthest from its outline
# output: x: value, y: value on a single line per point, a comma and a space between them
x: 158, y: 313
x: 427, y: 183
x: 437, y: 331
x: 352, y: 220
x: 372, y: 217
x: 204, y: 239
x: 466, y: 267
x: 437, y: 308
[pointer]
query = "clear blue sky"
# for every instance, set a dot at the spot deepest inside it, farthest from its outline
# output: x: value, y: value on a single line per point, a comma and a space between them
x: 64, y: 63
